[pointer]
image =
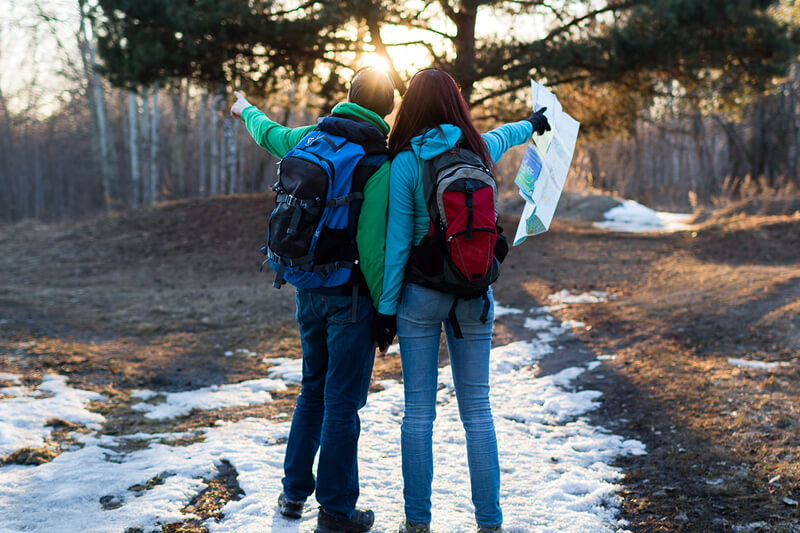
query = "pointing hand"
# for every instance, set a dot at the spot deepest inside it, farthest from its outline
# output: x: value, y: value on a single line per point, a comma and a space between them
x: 539, y: 121
x: 239, y: 105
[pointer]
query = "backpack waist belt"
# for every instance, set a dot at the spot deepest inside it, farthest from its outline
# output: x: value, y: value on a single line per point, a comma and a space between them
x: 286, y: 198
x: 304, y: 263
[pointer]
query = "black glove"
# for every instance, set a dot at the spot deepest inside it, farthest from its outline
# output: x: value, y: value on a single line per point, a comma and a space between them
x: 384, y: 328
x: 501, y: 246
x: 539, y: 121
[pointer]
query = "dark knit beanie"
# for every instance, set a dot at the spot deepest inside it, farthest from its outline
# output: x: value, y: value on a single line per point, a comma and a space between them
x: 372, y: 89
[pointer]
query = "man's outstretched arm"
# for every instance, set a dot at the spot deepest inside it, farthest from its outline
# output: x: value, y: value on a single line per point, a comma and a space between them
x: 270, y: 135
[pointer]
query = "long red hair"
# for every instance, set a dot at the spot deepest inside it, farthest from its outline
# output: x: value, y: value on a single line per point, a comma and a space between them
x: 433, y: 99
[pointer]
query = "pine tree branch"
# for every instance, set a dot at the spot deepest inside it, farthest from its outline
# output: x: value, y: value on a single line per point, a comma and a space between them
x: 305, y: 5
x: 407, y: 43
x: 591, y: 15
x: 421, y: 26
x: 523, y: 84
x: 528, y: 3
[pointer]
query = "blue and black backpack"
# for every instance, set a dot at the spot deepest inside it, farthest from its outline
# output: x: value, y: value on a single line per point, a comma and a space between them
x: 311, y: 238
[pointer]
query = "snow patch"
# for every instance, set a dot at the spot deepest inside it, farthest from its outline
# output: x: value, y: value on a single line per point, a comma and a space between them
x: 566, y: 296
x: 143, y: 394
x: 759, y: 365
x: 501, y: 310
x: 633, y: 217
x: 573, y: 324
x: 289, y: 370
x: 13, y: 378
x: 251, y: 392
x: 543, y: 322
x: 25, y: 411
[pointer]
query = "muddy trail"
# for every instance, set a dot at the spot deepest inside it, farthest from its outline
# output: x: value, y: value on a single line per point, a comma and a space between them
x: 699, y: 337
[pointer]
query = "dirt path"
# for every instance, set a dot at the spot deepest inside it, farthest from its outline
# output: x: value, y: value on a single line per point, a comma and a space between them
x: 150, y: 300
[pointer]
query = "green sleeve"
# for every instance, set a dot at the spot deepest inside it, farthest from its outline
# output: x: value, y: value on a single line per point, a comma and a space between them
x: 371, y: 234
x: 270, y: 135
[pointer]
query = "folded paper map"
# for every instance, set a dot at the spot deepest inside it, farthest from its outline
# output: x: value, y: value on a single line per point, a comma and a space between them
x: 545, y: 166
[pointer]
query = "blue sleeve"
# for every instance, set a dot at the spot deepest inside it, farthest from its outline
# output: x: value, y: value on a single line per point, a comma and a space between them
x: 499, y: 140
x: 399, y: 229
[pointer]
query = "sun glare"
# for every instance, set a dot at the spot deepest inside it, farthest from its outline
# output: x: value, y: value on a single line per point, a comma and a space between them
x: 375, y: 61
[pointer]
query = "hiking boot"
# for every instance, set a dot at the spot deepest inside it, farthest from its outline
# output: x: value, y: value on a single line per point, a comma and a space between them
x: 288, y: 508
x: 487, y: 529
x: 359, y: 522
x: 408, y: 527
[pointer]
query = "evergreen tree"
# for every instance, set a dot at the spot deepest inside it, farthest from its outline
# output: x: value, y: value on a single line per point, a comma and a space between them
x: 608, y: 57
x: 613, y: 55
x: 211, y: 41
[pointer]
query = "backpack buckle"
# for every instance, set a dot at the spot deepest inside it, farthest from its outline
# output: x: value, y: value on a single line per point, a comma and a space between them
x: 291, y: 201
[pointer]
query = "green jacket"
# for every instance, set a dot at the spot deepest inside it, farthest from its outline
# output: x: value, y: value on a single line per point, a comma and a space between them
x: 371, y: 232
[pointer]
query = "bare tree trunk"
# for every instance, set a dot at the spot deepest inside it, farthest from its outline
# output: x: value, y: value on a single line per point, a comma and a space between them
x: 228, y: 151
x: 39, y: 181
x: 464, y: 70
x: 189, y: 189
x: 287, y: 115
x: 237, y: 168
x: 104, y: 146
x: 215, y: 159
x: 203, y: 143
x: 794, y: 140
x: 144, y: 128
x: 178, y: 155
x: 154, y: 178
x: 133, y: 146
x: 6, y: 138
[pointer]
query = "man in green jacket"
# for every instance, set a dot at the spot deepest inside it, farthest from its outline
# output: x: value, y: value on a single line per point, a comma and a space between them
x: 335, y: 331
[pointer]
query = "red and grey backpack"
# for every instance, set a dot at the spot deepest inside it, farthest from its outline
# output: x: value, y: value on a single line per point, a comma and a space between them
x: 457, y: 255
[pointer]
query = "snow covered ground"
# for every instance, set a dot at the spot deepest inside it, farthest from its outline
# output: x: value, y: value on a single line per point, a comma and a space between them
x: 633, y: 217
x: 555, y: 465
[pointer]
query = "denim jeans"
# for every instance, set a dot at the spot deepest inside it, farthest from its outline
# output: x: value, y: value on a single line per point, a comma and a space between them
x: 420, y: 317
x: 337, y: 364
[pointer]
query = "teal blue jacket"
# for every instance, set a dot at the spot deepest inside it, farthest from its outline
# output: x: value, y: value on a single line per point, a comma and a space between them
x: 408, y: 216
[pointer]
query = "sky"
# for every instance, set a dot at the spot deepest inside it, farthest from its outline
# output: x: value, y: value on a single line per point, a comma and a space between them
x: 34, y: 71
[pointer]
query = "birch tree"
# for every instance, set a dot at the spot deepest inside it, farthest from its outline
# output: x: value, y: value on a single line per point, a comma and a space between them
x: 144, y: 143
x: 104, y: 151
x: 203, y: 155
x: 133, y: 148
x: 153, y: 195
x: 178, y: 138
x: 214, y: 160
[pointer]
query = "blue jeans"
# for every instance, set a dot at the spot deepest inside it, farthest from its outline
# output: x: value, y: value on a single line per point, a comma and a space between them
x: 419, y: 323
x: 337, y: 364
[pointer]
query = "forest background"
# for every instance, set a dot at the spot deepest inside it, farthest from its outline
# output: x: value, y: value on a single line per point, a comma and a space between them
x: 113, y: 104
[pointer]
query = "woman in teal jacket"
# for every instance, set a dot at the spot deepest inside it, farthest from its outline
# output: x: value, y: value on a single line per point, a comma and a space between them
x: 432, y: 119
